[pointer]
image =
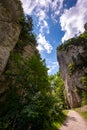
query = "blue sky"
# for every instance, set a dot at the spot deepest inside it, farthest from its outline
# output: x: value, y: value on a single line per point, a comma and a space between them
x: 55, y: 21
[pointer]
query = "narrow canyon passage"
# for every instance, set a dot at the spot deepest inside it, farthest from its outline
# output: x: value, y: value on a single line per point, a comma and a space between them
x: 74, y: 122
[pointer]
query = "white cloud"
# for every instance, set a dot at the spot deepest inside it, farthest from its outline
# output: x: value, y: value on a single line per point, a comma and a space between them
x: 40, y: 8
x: 52, y: 66
x: 72, y: 21
x: 56, y: 7
x: 44, y: 27
x: 43, y: 44
x: 40, y: 48
x: 40, y: 13
x: 29, y: 6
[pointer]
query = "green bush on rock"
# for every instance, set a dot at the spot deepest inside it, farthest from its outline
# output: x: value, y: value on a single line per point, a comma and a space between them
x: 71, y: 67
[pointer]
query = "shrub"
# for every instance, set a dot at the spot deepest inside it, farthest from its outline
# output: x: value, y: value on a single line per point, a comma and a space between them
x: 71, y: 67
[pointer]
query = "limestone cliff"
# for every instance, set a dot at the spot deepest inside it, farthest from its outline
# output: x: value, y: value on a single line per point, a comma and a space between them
x: 15, y: 40
x: 10, y: 16
x: 72, y: 57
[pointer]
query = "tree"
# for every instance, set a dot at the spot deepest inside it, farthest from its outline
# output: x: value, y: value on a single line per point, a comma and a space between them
x: 57, y: 86
x: 27, y: 37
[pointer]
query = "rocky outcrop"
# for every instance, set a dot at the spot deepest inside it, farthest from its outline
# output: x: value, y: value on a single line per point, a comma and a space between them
x: 10, y: 16
x: 13, y: 41
x: 72, y: 58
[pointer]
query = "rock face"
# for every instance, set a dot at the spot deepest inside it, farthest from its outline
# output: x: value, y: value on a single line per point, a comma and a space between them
x: 73, y: 67
x: 10, y: 16
x: 29, y: 51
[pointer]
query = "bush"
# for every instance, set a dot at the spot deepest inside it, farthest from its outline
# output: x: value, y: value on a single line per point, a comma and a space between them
x: 84, y: 93
x: 71, y: 67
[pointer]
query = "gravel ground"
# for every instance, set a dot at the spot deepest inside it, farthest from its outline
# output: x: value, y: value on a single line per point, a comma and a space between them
x: 74, y: 122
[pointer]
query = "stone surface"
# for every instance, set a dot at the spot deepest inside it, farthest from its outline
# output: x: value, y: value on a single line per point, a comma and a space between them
x: 29, y: 51
x: 74, y: 121
x: 10, y: 16
x: 10, y: 29
x: 73, y: 56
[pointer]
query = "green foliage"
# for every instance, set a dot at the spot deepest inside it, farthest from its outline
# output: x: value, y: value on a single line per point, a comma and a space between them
x: 26, y: 36
x: 83, y: 35
x: 39, y: 101
x: 64, y: 45
x: 84, y: 94
x: 30, y: 102
x: 84, y: 114
x: 35, y: 106
x: 57, y: 87
x: 82, y: 39
x: 82, y: 111
x: 71, y: 67
x: 9, y: 109
x: 84, y: 98
x: 84, y: 80
x: 56, y: 124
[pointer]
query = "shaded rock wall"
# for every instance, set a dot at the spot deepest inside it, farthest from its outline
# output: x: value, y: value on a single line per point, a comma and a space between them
x: 10, y: 16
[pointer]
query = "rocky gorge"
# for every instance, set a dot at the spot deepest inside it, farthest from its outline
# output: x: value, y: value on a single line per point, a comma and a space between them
x: 72, y: 55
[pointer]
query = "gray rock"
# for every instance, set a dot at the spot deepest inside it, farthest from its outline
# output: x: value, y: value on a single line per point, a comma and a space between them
x: 10, y: 16
x: 72, y: 68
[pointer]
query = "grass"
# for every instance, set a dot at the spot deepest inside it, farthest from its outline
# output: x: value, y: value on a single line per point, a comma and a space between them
x: 62, y: 118
x: 83, y: 112
x: 59, y: 121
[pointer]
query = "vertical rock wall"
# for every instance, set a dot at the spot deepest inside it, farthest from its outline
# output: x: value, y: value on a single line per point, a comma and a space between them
x: 72, y: 59
x: 10, y: 16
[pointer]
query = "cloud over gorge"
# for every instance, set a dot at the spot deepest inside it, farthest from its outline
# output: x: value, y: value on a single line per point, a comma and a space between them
x: 40, y: 9
x: 43, y: 44
x: 55, y: 20
x: 72, y: 20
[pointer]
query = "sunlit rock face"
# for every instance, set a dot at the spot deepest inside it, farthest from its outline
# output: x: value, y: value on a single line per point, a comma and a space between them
x: 10, y: 16
x: 29, y: 51
x: 72, y: 60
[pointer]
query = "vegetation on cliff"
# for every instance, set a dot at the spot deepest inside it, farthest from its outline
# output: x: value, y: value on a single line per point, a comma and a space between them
x: 30, y: 102
x: 27, y: 37
x: 82, y: 39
